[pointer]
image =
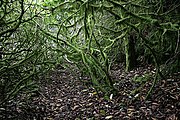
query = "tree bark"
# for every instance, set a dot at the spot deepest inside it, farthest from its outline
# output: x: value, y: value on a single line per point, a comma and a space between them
x: 130, y: 53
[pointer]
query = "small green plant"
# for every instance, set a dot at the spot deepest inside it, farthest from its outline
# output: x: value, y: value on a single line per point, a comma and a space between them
x: 142, y: 79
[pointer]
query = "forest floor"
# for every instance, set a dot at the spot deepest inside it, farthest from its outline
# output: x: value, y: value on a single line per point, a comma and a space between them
x: 64, y: 97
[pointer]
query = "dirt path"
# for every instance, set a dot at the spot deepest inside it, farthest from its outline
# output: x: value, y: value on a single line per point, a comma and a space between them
x: 64, y: 97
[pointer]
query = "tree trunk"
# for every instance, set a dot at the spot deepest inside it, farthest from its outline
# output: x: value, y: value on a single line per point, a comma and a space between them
x: 130, y: 53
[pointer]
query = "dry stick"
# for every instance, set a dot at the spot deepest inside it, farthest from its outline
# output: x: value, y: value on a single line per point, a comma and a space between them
x: 177, y: 45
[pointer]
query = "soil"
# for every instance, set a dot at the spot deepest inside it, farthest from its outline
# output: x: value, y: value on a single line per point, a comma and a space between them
x: 64, y: 96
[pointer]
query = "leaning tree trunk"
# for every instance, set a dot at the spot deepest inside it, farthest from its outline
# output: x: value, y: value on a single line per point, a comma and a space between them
x: 130, y: 53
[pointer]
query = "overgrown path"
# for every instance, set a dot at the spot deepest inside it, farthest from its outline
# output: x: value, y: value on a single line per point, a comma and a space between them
x: 64, y: 97
x: 67, y: 98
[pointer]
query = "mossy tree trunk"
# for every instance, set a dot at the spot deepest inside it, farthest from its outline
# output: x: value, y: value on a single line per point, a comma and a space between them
x: 130, y: 52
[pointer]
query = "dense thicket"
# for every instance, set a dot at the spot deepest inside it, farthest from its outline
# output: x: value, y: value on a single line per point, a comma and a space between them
x: 90, y: 34
x: 24, y: 50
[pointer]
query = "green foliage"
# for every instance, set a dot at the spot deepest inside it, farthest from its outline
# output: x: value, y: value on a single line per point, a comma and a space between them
x: 90, y: 34
x: 25, y: 54
x: 36, y: 35
x: 142, y: 79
